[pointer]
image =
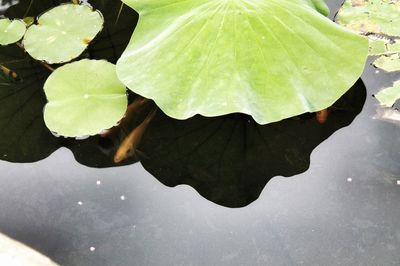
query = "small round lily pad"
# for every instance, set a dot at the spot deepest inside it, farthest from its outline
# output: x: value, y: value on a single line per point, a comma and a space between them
x: 84, y: 98
x: 63, y: 33
x: 11, y: 31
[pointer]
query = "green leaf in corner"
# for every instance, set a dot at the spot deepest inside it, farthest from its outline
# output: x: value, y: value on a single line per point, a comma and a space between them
x: 371, y: 16
x: 383, y: 47
x: 380, y: 20
x: 84, y: 98
x: 11, y: 31
x: 389, y: 63
x: 270, y: 59
x: 388, y: 96
x: 321, y: 7
x: 24, y: 136
x: 63, y: 33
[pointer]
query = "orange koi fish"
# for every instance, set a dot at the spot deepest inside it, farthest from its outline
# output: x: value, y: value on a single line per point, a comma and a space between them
x: 132, y: 141
x: 322, y: 116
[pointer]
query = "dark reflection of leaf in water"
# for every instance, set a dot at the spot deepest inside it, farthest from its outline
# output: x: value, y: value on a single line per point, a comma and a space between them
x: 23, y: 135
x: 229, y: 159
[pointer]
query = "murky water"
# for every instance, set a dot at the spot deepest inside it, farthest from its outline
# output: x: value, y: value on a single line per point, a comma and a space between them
x: 338, y: 207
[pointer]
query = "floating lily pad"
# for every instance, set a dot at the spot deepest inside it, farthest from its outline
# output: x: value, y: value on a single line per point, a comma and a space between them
x: 389, y: 63
x: 63, y: 33
x: 84, y: 98
x: 270, y: 59
x: 379, y: 19
x: 24, y: 136
x: 371, y: 16
x: 383, y: 47
x: 388, y: 96
x: 11, y: 31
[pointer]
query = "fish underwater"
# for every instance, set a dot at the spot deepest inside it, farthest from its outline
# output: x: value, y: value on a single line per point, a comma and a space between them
x: 129, y: 145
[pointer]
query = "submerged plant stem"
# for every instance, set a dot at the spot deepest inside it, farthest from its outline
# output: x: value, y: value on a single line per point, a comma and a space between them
x: 8, y: 72
x: 119, y: 13
x: 28, y: 9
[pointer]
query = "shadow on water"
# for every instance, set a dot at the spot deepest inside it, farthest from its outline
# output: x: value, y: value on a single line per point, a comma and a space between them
x: 227, y: 159
x: 230, y: 159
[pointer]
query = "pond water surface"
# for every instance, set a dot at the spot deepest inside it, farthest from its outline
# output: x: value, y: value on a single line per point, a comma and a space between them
x: 339, y: 205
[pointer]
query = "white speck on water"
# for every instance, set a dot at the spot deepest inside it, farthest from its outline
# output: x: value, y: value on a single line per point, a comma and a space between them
x: 377, y: 71
x: 80, y: 202
x: 86, y: 96
x: 398, y: 182
x: 122, y: 197
x: 349, y: 179
x: 98, y: 182
x: 92, y: 249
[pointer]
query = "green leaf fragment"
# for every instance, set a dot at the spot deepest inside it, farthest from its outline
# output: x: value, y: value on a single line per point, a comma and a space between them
x: 378, y: 19
x: 321, y: 7
x: 371, y: 16
x: 388, y: 96
x: 84, y: 98
x: 394, y: 47
x: 63, y: 33
x: 270, y: 59
x: 383, y: 47
x: 11, y: 31
x: 377, y: 47
x: 29, y: 20
x: 389, y: 63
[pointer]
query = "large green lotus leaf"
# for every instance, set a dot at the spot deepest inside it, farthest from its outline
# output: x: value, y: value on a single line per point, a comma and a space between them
x: 11, y: 31
x: 84, y: 98
x: 62, y: 33
x: 270, y: 59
